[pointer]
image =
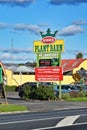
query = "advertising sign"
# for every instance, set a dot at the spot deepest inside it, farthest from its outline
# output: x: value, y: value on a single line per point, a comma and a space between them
x: 49, y: 62
x: 48, y: 39
x: 48, y: 73
x: 48, y: 51
x: 48, y: 55
x: 56, y: 46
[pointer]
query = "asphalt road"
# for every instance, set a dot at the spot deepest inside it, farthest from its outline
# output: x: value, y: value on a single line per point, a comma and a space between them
x: 59, y: 115
x: 73, y: 127
x: 60, y: 119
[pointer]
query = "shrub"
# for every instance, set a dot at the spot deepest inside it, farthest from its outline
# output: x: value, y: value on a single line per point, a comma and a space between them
x: 82, y: 94
x: 45, y: 93
x: 86, y: 94
x: 78, y: 94
x: 26, y: 92
x: 40, y: 93
x: 74, y: 94
x: 29, y: 92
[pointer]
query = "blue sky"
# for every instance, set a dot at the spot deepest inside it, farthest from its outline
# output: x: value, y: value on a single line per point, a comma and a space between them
x: 22, y: 20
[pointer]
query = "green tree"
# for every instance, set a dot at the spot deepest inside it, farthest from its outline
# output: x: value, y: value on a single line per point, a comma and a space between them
x: 79, y: 55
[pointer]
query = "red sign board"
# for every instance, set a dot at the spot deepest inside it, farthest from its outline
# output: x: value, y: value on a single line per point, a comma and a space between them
x: 48, y: 73
x: 48, y: 39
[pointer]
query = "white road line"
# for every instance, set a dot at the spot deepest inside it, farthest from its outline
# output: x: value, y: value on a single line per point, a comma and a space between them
x: 22, y: 121
x: 67, y: 121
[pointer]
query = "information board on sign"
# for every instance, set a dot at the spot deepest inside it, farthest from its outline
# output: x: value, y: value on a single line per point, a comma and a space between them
x: 49, y: 62
x: 48, y: 55
x: 48, y: 73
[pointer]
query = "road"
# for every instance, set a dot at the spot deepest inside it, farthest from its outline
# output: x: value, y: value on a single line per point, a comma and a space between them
x: 60, y: 119
x: 59, y: 115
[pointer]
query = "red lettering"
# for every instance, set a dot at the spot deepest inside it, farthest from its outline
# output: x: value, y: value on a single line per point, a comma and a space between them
x: 48, y: 39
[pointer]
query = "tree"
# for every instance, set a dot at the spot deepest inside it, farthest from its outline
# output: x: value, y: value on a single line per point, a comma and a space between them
x: 79, y: 55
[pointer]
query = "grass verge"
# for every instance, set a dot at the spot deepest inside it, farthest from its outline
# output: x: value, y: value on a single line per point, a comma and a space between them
x: 12, y: 108
x: 10, y: 88
x: 79, y: 99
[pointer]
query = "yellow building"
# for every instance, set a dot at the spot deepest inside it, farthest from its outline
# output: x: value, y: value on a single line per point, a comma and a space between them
x: 69, y: 66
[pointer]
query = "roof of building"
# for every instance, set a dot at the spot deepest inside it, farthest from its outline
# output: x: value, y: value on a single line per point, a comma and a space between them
x: 67, y: 64
x: 24, y: 69
x: 70, y: 64
x: 18, y: 69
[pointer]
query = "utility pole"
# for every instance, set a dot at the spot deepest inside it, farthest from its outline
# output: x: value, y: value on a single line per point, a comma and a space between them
x: 12, y: 50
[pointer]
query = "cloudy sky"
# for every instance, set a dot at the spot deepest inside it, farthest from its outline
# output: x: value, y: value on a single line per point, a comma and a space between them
x: 22, y: 20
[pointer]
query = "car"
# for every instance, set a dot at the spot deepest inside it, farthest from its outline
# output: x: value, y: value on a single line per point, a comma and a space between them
x: 82, y: 87
x: 20, y: 87
x: 65, y: 88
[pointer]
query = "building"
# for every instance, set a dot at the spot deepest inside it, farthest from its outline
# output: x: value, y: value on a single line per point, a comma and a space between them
x: 16, y: 75
x: 70, y: 66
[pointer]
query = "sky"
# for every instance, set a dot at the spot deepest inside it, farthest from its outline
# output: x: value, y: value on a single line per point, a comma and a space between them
x: 22, y: 20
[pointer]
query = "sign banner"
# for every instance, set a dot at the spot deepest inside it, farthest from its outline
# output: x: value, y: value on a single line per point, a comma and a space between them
x: 49, y: 59
x: 48, y: 55
x: 49, y: 62
x: 48, y: 73
x: 56, y: 46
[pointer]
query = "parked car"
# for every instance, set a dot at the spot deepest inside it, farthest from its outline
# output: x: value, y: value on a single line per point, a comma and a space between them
x: 20, y: 87
x: 66, y: 88
x: 81, y: 87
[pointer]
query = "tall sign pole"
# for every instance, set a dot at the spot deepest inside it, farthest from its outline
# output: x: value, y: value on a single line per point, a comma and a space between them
x: 60, y: 89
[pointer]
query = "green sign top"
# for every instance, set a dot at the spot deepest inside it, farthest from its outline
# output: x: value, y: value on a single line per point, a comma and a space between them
x: 48, y: 33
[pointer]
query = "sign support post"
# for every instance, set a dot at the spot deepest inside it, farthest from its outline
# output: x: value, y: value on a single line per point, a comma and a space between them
x: 60, y: 89
x: 37, y: 66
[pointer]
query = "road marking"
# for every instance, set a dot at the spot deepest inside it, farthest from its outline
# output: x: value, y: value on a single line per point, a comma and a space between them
x: 48, y: 128
x: 67, y: 121
x: 31, y: 120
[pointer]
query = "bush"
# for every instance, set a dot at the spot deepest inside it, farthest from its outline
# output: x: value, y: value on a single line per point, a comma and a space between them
x: 29, y: 92
x: 82, y: 94
x: 39, y: 93
x: 26, y: 92
x: 45, y: 93
x: 74, y: 94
